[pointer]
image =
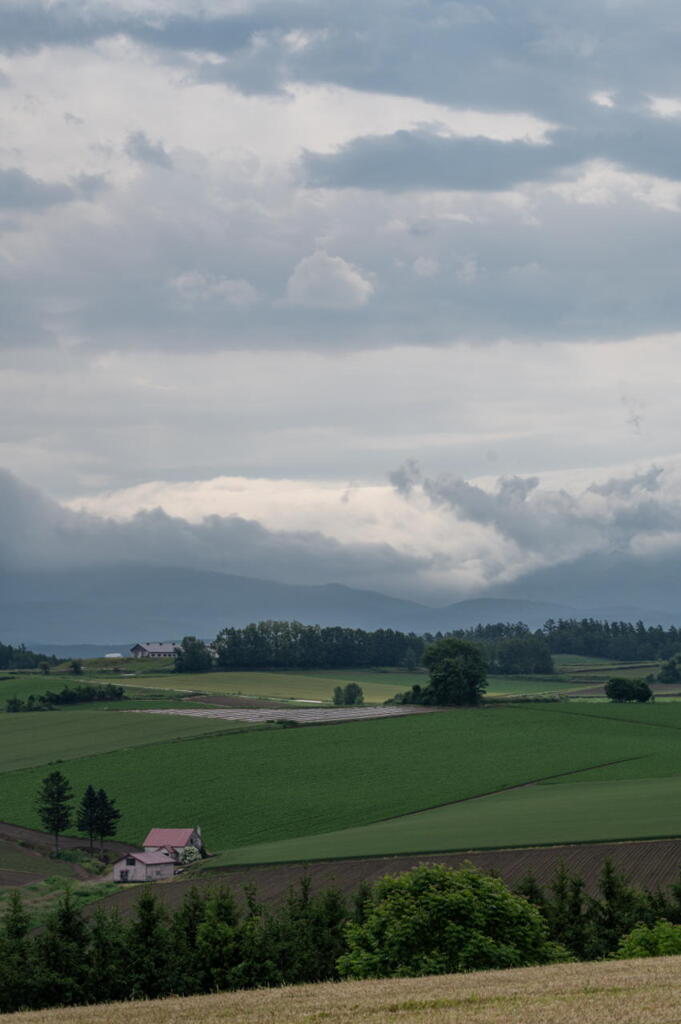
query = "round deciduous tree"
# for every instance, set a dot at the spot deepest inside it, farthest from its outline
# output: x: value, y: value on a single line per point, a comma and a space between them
x: 457, y: 672
x: 434, y: 920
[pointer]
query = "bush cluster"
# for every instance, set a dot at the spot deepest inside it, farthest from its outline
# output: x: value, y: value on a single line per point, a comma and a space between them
x: 69, y: 695
x: 624, y: 691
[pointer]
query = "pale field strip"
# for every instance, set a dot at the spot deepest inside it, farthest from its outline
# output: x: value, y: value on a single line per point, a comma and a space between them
x: 301, y: 715
x: 646, y: 991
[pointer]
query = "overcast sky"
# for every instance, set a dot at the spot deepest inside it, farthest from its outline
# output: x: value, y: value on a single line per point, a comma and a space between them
x: 394, y: 286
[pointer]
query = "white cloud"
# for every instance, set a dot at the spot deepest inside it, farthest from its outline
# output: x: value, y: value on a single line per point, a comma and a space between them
x: 194, y: 287
x: 603, y: 99
x: 321, y: 281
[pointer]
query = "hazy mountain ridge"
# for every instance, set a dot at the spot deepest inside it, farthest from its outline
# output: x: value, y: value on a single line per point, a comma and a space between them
x: 99, y: 606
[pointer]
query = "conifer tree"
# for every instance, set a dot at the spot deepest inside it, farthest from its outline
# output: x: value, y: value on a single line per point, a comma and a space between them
x: 87, y: 816
x: 106, y: 818
x: 54, y: 804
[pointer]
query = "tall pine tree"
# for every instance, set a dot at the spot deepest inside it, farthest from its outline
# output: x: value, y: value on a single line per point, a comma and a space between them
x: 106, y: 818
x: 54, y: 804
x: 87, y: 816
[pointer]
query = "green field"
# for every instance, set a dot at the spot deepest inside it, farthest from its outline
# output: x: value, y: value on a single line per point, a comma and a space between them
x: 427, y: 782
x: 529, y: 816
x: 259, y: 787
x: 40, y: 738
x: 568, y: 661
x: 284, y: 685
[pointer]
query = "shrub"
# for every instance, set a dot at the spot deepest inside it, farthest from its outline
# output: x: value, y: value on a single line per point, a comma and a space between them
x: 660, y: 939
x: 626, y: 690
x: 434, y: 920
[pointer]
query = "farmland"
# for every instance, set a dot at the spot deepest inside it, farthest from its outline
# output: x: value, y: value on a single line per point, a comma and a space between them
x: 645, y: 991
x: 262, y: 787
x: 588, y: 770
x: 41, y: 738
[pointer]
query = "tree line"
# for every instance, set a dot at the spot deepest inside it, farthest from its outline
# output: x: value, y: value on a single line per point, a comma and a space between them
x: 20, y: 657
x: 509, y: 648
x: 294, y: 645
x: 430, y: 920
x: 621, y: 641
x: 68, y: 695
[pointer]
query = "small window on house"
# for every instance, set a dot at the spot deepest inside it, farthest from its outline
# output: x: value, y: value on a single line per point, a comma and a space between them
x: 130, y: 861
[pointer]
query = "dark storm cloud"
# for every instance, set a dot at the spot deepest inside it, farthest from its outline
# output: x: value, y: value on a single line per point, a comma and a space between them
x: 37, y: 533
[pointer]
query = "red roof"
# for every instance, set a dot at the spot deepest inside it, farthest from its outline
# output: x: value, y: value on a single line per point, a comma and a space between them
x: 169, y: 837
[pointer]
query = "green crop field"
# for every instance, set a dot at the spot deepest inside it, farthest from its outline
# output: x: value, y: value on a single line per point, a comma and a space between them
x: 521, y: 685
x: 42, y: 737
x: 283, y: 685
x: 529, y: 816
x: 260, y: 787
x: 568, y: 661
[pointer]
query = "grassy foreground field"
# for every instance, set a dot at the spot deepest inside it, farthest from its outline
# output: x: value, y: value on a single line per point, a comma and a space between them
x: 614, y: 992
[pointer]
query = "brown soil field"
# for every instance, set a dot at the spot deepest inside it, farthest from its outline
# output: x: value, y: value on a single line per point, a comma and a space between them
x: 651, y: 865
x: 15, y: 879
x: 44, y: 843
x: 659, y: 690
x: 646, y: 991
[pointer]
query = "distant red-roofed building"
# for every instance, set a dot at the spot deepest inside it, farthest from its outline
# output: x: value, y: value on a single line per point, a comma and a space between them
x: 143, y: 867
x: 173, y: 841
x: 154, y: 650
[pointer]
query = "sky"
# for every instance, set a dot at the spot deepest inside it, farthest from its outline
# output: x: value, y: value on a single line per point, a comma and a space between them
x: 381, y: 293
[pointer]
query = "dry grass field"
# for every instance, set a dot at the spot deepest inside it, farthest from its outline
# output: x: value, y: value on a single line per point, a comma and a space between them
x: 614, y: 992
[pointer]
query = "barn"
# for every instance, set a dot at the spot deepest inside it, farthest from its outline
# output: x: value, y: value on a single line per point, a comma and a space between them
x: 143, y: 867
x: 154, y: 650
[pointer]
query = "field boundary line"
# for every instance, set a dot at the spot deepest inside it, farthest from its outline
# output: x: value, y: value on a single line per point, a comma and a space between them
x: 497, y: 792
x: 616, y: 718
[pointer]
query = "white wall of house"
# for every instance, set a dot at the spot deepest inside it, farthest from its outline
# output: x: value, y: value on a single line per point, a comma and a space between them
x: 127, y: 869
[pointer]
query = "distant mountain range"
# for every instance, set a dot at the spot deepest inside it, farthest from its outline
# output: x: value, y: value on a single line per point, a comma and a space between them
x: 91, y: 611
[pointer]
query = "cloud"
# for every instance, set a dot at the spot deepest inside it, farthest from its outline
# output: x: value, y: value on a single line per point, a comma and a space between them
x: 37, y: 533
x: 193, y: 287
x: 321, y: 281
x: 140, y: 147
x: 20, y: 191
x: 650, y: 480
x: 429, y: 538
x: 545, y: 525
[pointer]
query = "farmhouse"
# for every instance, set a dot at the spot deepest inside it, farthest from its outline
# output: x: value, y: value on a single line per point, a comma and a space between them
x: 173, y: 841
x: 155, y: 650
x: 143, y: 867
